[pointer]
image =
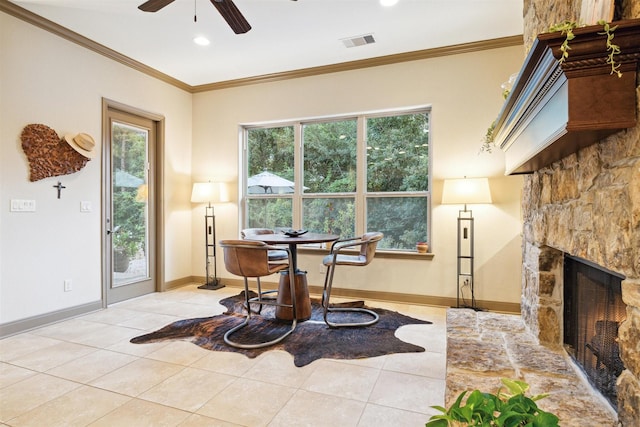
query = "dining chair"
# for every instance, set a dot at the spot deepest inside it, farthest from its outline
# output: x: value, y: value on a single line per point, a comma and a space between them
x: 367, y: 248
x: 250, y: 259
x: 274, y: 255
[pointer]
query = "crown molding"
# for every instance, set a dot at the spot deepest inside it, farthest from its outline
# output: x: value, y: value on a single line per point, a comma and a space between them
x: 367, y: 63
x: 45, y: 24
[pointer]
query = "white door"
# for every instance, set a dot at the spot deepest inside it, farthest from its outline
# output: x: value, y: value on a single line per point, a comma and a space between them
x: 129, y: 205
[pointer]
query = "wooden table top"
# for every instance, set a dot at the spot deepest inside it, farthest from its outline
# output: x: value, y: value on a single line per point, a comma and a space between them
x: 282, y: 239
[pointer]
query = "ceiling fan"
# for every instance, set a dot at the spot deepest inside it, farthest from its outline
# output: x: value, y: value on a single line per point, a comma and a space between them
x: 227, y: 9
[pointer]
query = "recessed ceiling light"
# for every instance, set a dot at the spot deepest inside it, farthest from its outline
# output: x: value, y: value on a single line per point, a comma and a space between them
x: 388, y: 2
x: 201, y: 41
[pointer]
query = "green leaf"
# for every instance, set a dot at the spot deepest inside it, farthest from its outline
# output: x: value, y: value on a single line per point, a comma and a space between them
x: 511, y: 419
x: 438, y: 422
x: 539, y: 396
x: 545, y: 419
x: 515, y: 386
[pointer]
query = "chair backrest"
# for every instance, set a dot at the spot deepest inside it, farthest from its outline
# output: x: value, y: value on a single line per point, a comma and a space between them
x: 247, y: 258
x: 369, y: 243
x: 248, y: 232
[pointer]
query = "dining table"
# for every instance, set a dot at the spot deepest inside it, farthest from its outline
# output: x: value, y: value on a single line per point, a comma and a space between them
x: 303, y: 302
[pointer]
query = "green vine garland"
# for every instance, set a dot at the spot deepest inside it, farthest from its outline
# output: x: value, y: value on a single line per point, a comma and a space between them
x: 567, y: 28
x: 488, y: 141
x: 612, y: 49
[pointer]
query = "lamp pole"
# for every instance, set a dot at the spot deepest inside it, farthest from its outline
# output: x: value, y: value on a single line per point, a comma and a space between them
x: 465, y: 256
x: 465, y: 191
x: 211, y: 283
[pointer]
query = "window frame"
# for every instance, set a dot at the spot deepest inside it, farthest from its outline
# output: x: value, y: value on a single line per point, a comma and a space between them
x: 361, y: 195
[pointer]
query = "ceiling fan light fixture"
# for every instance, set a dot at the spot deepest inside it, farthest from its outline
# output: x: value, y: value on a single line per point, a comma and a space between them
x: 201, y: 41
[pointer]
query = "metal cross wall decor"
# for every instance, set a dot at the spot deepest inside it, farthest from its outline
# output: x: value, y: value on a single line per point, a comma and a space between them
x: 59, y: 186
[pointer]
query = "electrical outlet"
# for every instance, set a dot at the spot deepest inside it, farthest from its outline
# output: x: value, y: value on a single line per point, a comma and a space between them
x: 322, y: 269
x: 68, y: 285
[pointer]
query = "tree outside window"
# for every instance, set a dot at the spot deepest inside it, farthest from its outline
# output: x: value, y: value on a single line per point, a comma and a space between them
x: 270, y: 150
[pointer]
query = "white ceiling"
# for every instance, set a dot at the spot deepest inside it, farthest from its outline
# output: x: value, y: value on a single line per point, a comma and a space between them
x: 286, y: 35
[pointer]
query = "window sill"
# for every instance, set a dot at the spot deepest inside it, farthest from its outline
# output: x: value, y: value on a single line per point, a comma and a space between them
x: 379, y: 254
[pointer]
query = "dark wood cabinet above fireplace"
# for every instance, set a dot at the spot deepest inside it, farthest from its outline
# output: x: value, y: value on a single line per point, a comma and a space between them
x: 556, y: 109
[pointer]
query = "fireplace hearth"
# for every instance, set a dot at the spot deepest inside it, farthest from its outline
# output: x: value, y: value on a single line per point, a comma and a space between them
x: 593, y: 312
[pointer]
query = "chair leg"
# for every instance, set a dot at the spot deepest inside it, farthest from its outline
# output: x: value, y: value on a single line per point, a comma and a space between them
x: 259, y: 295
x: 259, y: 299
x: 227, y: 335
x: 326, y: 297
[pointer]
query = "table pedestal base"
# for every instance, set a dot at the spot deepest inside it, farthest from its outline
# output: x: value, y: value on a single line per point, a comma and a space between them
x: 303, y: 303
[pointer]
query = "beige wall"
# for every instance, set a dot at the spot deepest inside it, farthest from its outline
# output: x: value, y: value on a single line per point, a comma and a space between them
x: 465, y: 96
x: 45, y: 79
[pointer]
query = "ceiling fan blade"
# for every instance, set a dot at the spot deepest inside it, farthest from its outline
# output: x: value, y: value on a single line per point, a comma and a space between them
x: 154, y: 5
x: 232, y: 15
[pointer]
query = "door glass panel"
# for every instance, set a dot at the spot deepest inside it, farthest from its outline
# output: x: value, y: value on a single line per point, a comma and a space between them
x: 130, y: 221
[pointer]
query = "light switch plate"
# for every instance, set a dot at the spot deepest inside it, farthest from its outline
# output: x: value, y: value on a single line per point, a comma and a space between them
x: 85, y: 206
x: 21, y: 205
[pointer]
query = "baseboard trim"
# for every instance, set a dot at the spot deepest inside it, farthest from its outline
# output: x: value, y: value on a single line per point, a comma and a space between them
x: 24, y: 325
x: 179, y: 283
x: 496, y: 306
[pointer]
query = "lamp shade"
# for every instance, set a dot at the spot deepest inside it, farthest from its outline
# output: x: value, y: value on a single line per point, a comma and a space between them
x: 207, y: 192
x: 466, y: 191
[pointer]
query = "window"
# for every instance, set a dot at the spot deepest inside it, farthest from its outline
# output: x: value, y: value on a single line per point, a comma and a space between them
x: 343, y: 175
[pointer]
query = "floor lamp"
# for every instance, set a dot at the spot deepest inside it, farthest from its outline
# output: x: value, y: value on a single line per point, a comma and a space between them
x: 210, y: 192
x: 464, y: 192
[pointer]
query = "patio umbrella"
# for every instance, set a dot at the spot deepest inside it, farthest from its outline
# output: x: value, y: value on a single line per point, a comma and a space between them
x: 125, y: 179
x: 267, y: 182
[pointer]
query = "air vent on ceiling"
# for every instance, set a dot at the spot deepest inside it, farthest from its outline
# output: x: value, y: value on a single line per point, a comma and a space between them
x: 359, y: 40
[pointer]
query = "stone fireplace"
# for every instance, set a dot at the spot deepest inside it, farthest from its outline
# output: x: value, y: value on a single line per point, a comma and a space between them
x: 586, y: 205
x: 573, y: 131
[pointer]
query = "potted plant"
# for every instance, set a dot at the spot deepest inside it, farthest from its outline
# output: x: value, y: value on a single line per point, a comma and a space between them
x: 124, y: 249
x: 422, y: 247
x: 507, y: 409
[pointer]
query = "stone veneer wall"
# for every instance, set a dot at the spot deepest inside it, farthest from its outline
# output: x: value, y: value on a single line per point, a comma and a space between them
x: 587, y: 205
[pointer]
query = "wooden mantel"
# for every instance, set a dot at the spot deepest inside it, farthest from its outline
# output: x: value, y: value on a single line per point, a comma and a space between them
x: 556, y: 109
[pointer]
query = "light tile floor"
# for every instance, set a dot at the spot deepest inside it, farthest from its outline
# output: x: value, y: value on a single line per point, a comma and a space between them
x: 84, y: 372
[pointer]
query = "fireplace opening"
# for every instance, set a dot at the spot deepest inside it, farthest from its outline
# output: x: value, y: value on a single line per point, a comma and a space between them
x: 593, y: 312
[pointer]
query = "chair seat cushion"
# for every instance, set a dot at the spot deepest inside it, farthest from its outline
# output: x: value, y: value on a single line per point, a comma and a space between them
x: 278, y: 255
x: 359, y: 260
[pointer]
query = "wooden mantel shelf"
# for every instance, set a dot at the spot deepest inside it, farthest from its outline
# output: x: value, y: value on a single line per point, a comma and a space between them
x: 556, y: 109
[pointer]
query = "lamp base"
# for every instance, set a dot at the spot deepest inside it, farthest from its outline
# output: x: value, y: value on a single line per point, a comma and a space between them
x: 470, y: 307
x: 213, y: 285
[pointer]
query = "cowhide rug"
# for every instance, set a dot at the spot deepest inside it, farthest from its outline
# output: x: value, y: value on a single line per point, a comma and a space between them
x: 311, y: 340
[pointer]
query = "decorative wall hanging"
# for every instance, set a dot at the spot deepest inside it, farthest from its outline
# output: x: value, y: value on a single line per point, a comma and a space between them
x: 50, y: 155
